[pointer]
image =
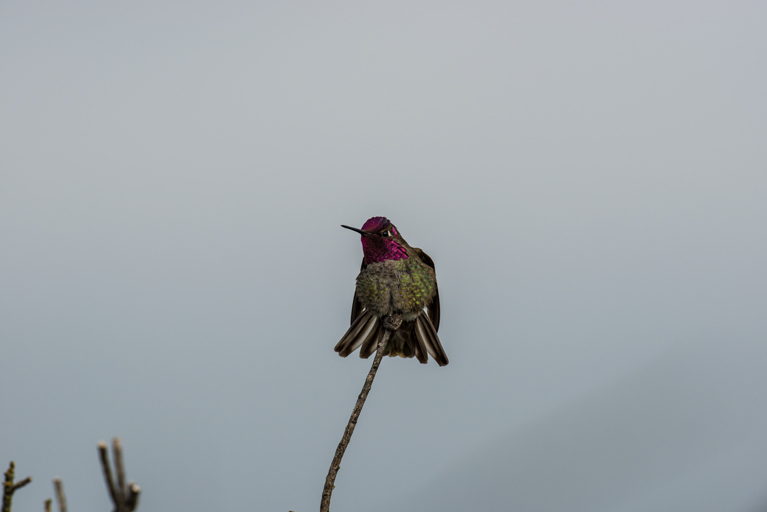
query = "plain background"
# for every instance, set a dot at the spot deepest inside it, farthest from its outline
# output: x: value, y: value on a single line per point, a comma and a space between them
x: 589, y: 179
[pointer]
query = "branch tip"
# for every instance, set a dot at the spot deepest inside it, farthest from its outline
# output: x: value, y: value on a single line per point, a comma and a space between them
x: 59, y: 488
x: 22, y: 483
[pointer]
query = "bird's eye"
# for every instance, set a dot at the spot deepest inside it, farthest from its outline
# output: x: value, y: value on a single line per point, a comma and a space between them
x: 386, y: 233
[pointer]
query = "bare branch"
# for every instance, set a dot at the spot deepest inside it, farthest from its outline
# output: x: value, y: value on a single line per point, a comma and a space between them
x: 117, y: 453
x: 335, y: 465
x: 22, y: 483
x: 106, y: 468
x: 62, y: 500
x: 124, y: 497
x: 9, y: 487
x: 131, y: 501
x: 48, y: 505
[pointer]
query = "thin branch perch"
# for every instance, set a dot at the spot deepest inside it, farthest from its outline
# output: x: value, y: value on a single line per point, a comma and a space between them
x: 391, y: 323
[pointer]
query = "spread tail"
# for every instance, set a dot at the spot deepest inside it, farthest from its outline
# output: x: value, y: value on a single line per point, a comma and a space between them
x: 417, y: 338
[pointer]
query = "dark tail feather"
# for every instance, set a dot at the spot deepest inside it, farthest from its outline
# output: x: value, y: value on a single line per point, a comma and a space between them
x: 420, y: 353
x: 427, y: 335
x: 424, y: 338
x: 370, y: 344
x: 358, y: 332
x: 354, y: 328
x: 419, y: 346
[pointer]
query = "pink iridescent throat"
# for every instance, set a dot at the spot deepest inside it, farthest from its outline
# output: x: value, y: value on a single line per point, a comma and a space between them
x: 377, y: 249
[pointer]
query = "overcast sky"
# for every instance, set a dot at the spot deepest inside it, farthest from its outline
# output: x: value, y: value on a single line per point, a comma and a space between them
x: 590, y: 180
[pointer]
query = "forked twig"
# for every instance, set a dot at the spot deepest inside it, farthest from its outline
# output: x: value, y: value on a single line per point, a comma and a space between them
x: 9, y: 487
x: 124, y: 496
x: 391, y: 323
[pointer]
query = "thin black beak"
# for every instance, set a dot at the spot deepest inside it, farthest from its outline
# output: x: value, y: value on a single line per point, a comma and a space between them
x: 363, y: 233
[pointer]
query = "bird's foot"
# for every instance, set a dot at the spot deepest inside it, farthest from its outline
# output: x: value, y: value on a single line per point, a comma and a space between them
x: 392, y: 322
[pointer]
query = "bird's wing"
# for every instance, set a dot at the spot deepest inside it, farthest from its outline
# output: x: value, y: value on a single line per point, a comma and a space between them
x: 356, y: 304
x: 424, y: 257
x: 433, y: 308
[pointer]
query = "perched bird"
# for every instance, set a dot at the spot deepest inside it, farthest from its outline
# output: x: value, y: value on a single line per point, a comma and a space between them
x: 395, y: 279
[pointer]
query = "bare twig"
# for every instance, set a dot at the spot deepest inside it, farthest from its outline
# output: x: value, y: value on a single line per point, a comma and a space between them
x: 124, y: 497
x: 9, y: 487
x: 117, y: 453
x: 107, y: 469
x: 22, y: 483
x: 131, y: 501
x: 47, y: 505
x: 335, y: 465
x: 59, y: 487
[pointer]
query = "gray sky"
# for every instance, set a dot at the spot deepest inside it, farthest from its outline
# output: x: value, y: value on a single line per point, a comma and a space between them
x: 590, y: 181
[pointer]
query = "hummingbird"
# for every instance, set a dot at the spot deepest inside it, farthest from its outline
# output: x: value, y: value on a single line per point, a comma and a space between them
x: 395, y: 279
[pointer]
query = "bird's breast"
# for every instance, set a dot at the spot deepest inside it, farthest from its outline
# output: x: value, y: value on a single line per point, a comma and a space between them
x: 401, y: 286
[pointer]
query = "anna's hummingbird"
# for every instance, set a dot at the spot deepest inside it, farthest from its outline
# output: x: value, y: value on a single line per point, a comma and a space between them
x: 395, y: 279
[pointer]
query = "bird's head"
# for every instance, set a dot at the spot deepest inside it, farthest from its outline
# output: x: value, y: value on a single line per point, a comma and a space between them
x: 381, y: 240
